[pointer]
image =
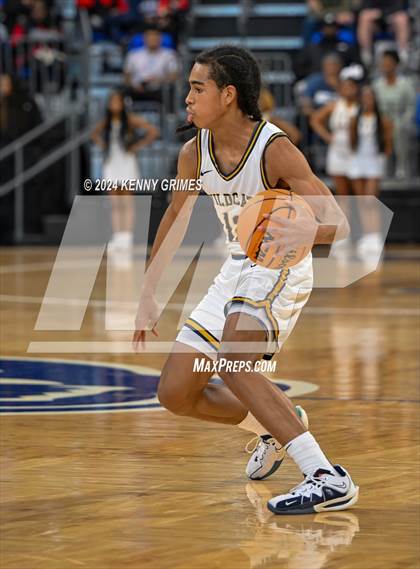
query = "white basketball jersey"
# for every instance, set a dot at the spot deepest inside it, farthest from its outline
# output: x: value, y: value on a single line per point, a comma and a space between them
x: 231, y: 192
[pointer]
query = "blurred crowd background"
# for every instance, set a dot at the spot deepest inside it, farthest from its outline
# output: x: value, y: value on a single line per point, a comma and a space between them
x: 80, y: 79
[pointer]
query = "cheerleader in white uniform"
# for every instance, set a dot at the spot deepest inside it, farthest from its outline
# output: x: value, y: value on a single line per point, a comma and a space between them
x: 332, y: 124
x: 115, y: 135
x: 371, y: 139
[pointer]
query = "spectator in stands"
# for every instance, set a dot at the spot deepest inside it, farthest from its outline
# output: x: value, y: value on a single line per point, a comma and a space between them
x: 312, y: 20
x: 16, y: 14
x: 321, y: 88
x: 267, y: 105
x: 330, y: 40
x: 18, y: 115
x: 393, y: 11
x: 148, y: 68
x: 397, y: 100
x: 41, y: 18
x: 123, y: 21
x: 116, y: 136
x: 371, y: 141
x: 171, y: 17
x: 19, y: 112
x: 101, y: 13
x: 317, y: 9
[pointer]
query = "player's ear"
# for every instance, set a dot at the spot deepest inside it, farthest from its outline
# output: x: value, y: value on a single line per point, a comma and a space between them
x: 230, y: 94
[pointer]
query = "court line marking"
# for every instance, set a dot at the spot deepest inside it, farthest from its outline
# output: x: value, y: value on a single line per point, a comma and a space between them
x: 296, y: 388
x: 412, y: 255
x: 153, y: 371
x: 358, y: 399
x: 132, y: 306
x: 77, y: 262
x: 47, y: 265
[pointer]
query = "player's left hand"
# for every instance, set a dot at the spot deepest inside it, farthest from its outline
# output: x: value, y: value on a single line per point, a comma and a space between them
x: 146, y: 319
x: 290, y: 234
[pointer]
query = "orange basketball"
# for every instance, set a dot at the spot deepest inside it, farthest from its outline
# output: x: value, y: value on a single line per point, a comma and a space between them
x: 276, y: 203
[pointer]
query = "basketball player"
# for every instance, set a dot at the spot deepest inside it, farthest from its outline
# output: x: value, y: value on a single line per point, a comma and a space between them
x: 235, y: 152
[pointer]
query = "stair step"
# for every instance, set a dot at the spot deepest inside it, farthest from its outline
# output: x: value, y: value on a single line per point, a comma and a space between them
x: 254, y: 43
x: 234, y: 10
x: 205, y: 27
x: 274, y: 26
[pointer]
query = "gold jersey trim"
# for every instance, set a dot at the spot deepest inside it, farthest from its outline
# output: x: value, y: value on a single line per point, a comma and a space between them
x: 262, y: 164
x: 251, y: 144
x: 202, y: 332
x: 198, y: 145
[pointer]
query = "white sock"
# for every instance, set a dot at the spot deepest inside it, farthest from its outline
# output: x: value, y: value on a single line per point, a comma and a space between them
x: 116, y: 237
x: 307, y: 454
x: 126, y: 237
x: 251, y: 424
x: 123, y: 239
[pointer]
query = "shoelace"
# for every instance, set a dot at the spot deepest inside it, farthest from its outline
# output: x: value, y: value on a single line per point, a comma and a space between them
x: 308, y: 483
x: 260, y: 446
x: 256, y: 441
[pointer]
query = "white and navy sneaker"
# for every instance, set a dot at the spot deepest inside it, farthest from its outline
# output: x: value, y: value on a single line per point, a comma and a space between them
x: 322, y: 491
x: 267, y: 453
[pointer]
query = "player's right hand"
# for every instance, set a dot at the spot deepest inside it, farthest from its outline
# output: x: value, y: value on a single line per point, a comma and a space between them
x: 146, y: 319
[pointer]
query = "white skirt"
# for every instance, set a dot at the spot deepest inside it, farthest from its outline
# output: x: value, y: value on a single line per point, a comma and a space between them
x: 338, y: 161
x: 120, y: 165
x: 366, y: 166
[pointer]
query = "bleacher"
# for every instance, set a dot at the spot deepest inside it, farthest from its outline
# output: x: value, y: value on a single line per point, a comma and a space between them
x: 265, y: 26
x: 271, y: 29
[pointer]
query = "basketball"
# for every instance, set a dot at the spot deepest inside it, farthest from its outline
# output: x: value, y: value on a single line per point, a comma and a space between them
x: 276, y: 203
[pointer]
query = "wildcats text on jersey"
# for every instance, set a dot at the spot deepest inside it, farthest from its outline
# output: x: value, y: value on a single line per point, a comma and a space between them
x: 226, y: 200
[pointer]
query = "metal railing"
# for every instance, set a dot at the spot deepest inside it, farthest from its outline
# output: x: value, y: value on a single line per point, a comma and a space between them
x: 41, y: 60
x: 50, y: 61
x: 75, y: 136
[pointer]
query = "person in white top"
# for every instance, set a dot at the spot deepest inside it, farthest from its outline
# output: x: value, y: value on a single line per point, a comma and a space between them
x: 396, y: 95
x: 371, y: 140
x: 332, y: 124
x: 116, y: 136
x: 235, y: 155
x: 146, y: 69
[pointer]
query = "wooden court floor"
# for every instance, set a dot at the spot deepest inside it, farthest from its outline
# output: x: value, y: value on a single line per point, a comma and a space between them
x: 143, y: 489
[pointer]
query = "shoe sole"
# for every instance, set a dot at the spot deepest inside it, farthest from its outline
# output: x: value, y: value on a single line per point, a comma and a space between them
x: 342, y: 503
x: 272, y: 470
x: 301, y: 413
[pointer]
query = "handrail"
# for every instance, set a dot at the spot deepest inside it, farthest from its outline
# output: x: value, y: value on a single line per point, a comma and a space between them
x: 46, y: 161
x: 85, y: 26
x: 37, y: 131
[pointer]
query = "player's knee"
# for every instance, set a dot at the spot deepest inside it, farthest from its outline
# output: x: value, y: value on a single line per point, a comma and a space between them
x: 231, y: 368
x: 173, y: 398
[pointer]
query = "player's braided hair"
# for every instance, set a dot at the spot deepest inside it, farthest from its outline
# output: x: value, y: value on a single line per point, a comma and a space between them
x: 232, y: 65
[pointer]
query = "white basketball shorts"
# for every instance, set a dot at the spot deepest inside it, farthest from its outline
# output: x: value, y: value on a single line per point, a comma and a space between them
x: 272, y: 297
